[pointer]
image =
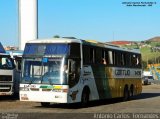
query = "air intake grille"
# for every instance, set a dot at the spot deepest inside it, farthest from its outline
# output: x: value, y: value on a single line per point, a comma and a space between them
x: 5, y: 88
x: 4, y: 78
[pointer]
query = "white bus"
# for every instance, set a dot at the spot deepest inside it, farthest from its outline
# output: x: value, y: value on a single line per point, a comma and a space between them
x: 62, y: 70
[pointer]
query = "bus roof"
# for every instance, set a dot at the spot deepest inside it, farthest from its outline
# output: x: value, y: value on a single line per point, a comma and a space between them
x: 110, y: 46
x: 87, y: 42
x: 55, y: 40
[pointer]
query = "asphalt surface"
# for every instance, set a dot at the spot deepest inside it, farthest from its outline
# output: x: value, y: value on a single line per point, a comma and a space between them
x: 146, y: 103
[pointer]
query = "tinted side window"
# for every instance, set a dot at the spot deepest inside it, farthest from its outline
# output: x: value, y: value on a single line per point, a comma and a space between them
x: 86, y: 53
x: 75, y: 50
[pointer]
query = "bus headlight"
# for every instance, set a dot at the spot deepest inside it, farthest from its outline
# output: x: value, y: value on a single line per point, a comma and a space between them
x: 24, y: 89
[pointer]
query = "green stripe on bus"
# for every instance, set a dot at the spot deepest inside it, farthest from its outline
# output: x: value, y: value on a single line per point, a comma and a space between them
x: 102, y: 81
x: 48, y: 87
x: 43, y: 86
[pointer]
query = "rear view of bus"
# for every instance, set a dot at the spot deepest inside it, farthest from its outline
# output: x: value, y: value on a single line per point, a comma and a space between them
x: 46, y: 67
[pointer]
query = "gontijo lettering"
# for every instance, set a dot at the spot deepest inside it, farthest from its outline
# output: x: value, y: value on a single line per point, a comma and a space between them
x: 122, y: 72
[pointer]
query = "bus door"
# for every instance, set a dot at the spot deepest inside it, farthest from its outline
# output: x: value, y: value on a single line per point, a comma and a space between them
x: 73, y: 72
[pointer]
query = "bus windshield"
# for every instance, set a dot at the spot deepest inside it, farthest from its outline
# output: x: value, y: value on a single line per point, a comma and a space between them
x: 43, y: 70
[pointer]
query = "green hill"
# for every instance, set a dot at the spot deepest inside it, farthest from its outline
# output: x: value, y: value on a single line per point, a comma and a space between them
x: 151, y: 50
x: 150, y: 56
x: 154, y: 39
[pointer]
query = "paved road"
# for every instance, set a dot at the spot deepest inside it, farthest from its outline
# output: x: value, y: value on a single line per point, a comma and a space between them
x: 147, y: 102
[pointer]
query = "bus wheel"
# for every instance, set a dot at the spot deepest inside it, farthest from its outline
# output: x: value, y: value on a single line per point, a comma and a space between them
x: 45, y: 104
x: 126, y: 94
x: 85, y: 98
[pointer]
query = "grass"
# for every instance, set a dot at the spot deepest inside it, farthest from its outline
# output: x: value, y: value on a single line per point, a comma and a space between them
x: 148, y: 55
x: 154, y: 44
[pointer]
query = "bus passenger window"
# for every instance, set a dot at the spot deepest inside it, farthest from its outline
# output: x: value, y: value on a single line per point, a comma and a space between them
x: 104, y: 61
x: 110, y: 57
x: 104, y: 56
x: 92, y: 55
x: 134, y: 60
x: 138, y: 61
x: 122, y: 59
x: 86, y: 55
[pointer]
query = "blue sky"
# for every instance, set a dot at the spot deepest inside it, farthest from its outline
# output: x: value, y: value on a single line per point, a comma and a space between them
x: 102, y: 20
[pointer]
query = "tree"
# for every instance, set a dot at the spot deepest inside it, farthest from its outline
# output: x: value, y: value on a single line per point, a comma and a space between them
x: 56, y: 36
x: 144, y: 65
x: 148, y: 42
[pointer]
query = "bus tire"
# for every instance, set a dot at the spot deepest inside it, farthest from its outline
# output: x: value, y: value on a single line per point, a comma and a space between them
x: 85, y: 97
x: 126, y: 94
x: 45, y: 104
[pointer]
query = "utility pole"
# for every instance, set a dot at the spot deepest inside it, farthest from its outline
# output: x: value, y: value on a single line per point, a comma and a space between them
x: 27, y: 22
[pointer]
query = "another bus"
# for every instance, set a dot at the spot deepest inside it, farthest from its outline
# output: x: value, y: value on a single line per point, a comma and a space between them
x: 9, y: 80
x: 63, y: 70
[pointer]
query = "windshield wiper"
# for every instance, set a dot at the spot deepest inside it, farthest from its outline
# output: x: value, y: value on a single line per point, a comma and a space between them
x: 31, y: 81
x: 35, y: 80
x: 45, y: 78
